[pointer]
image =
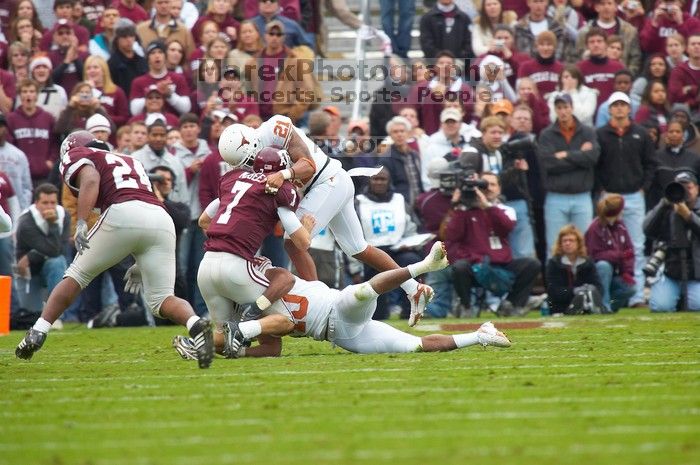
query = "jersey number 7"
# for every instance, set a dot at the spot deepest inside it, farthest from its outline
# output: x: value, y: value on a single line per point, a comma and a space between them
x: 238, y: 189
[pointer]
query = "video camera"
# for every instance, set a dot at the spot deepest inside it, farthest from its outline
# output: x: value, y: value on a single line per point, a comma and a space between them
x: 515, y: 148
x: 463, y: 175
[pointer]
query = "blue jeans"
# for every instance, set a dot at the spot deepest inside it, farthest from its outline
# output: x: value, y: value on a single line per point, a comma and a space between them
x: 633, y: 216
x: 50, y: 275
x: 441, y: 282
x: 563, y: 209
x: 616, y: 292
x: 521, y: 238
x: 401, y: 40
x: 666, y: 292
x: 191, y: 253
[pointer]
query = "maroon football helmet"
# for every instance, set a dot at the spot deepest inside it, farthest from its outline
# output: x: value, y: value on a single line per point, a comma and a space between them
x: 270, y: 160
x: 76, y: 139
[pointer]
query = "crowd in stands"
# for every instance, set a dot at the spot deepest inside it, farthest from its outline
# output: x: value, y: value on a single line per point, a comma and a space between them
x: 609, y: 90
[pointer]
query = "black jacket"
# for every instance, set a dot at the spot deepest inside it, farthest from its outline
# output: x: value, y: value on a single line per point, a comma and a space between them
x: 627, y: 163
x: 561, y: 281
x: 395, y: 162
x: 668, y: 163
x: 659, y: 224
x: 575, y: 173
x: 124, y: 70
x: 434, y: 37
x: 39, y: 246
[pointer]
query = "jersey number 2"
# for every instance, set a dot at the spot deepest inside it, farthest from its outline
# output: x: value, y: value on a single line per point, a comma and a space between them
x: 239, y: 188
x: 122, y: 172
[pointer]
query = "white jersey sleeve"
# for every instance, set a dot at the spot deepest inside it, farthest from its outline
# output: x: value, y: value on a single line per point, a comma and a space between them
x: 277, y: 131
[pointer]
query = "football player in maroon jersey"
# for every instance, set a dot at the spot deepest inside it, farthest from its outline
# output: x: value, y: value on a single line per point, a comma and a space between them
x: 236, y: 225
x: 133, y: 221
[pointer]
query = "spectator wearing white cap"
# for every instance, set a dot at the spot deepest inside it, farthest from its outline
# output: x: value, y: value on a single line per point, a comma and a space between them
x: 627, y: 166
x: 52, y: 97
x: 447, y: 143
x: 100, y: 127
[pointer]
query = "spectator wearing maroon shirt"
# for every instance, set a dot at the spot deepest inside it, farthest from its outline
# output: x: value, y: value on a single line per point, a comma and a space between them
x: 155, y: 105
x: 684, y: 82
x: 31, y: 129
x: 544, y: 69
x: 66, y: 57
x: 111, y: 97
x: 219, y: 11
x: 164, y: 27
x: 130, y: 9
x: 655, y: 108
x: 172, y: 85
x: 599, y: 71
x: 125, y: 64
x: 63, y: 9
x: 82, y: 104
x: 611, y: 24
x: 428, y: 97
x: 667, y: 19
x: 536, y: 22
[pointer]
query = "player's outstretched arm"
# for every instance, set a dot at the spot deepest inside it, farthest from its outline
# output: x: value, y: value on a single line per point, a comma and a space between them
x: 270, y: 346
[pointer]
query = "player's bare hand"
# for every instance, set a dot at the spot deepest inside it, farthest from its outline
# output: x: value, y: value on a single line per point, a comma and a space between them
x: 133, y: 281
x: 308, y: 221
x: 81, y: 237
x: 274, y: 182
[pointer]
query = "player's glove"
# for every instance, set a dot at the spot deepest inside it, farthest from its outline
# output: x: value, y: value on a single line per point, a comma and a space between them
x: 81, y: 237
x: 134, y: 283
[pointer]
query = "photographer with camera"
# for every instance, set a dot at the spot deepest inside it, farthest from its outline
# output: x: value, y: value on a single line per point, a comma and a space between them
x: 476, y: 233
x: 568, y: 153
x: 509, y: 163
x: 667, y: 18
x: 676, y: 221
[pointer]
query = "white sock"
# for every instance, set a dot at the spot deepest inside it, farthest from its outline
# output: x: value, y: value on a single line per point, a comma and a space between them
x: 466, y: 339
x: 419, y: 268
x: 193, y: 319
x: 250, y: 329
x: 42, y: 325
x: 410, y: 285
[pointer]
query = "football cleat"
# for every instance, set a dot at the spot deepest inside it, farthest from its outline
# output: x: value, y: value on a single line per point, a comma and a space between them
x: 30, y: 343
x: 185, y: 347
x: 203, y: 338
x: 488, y: 335
x: 233, y: 339
x: 419, y: 300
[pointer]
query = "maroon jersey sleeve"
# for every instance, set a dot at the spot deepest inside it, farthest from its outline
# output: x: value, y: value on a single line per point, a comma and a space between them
x: 287, y: 196
x: 6, y: 191
x: 122, y: 178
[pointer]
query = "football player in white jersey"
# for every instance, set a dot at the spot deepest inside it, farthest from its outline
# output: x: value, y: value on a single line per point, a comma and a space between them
x: 344, y: 318
x: 328, y: 196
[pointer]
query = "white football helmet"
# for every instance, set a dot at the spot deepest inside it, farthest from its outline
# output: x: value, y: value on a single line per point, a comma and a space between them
x: 238, y: 145
x: 79, y: 138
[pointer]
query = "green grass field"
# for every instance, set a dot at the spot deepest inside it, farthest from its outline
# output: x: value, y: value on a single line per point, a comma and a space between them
x: 615, y: 390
